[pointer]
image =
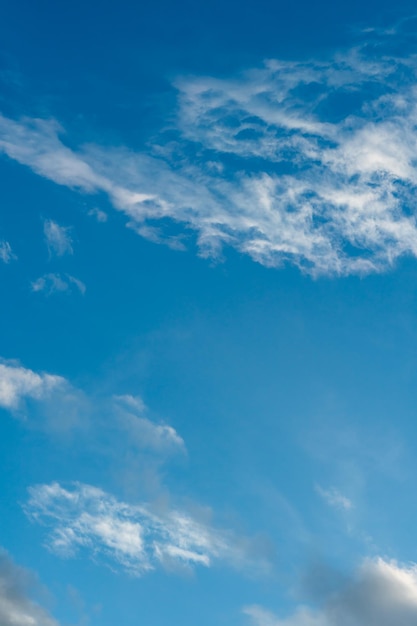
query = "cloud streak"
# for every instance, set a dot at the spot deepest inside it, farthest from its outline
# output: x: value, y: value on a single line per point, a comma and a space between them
x: 310, y: 163
x: 57, y: 283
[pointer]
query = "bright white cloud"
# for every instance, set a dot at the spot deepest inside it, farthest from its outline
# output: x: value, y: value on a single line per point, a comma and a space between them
x: 16, y: 607
x: 134, y: 537
x: 6, y: 252
x: 18, y: 383
x: 334, y: 498
x: 55, y: 283
x: 381, y: 593
x: 309, y: 163
x: 58, y: 238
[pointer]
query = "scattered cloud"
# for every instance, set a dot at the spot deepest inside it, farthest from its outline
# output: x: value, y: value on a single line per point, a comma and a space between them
x: 6, y: 252
x: 143, y: 433
x: 136, y: 538
x: 100, y: 215
x: 380, y: 593
x: 58, y: 238
x: 334, y: 498
x: 18, y: 383
x: 16, y: 606
x: 311, y: 163
x: 55, y: 283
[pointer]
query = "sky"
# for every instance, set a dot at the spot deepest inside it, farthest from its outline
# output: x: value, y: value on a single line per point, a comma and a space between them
x: 208, y: 328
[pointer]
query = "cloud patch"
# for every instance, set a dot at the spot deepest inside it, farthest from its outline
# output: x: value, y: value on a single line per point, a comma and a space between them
x: 16, y: 606
x: 6, y: 252
x: 57, y: 283
x: 136, y: 538
x: 58, y: 238
x: 380, y: 593
x: 18, y: 383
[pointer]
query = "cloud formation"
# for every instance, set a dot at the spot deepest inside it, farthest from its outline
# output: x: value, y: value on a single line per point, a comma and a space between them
x: 55, y: 283
x: 311, y: 163
x: 6, y: 252
x: 58, y: 238
x: 381, y: 593
x: 136, y: 538
x: 18, y: 383
x: 16, y: 607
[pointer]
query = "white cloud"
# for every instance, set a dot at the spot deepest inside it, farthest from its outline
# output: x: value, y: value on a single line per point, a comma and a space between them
x: 18, y: 383
x: 380, y: 593
x: 55, y: 283
x: 134, y: 537
x: 16, y: 607
x: 58, y: 238
x: 334, y: 498
x: 6, y: 252
x: 143, y: 433
x: 309, y: 163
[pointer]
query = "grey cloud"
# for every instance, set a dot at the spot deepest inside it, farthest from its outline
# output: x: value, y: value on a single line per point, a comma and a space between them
x: 380, y: 593
x: 55, y: 283
x: 17, y: 608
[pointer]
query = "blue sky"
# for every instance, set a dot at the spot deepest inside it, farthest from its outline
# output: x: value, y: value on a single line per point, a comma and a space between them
x: 208, y: 338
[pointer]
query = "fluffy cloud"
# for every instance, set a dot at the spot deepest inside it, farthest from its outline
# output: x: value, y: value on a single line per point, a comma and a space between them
x: 309, y: 163
x: 18, y: 383
x: 55, y: 283
x: 58, y: 238
x: 134, y: 537
x: 381, y: 593
x: 6, y: 252
x: 16, y: 607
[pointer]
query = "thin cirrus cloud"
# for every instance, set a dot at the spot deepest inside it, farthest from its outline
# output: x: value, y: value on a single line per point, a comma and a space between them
x: 132, y: 537
x: 58, y: 238
x: 17, y: 608
x: 6, y: 252
x: 52, y: 282
x: 310, y: 163
x: 334, y: 498
x: 380, y: 593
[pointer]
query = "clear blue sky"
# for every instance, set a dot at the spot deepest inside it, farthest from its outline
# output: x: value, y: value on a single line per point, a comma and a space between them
x: 208, y: 335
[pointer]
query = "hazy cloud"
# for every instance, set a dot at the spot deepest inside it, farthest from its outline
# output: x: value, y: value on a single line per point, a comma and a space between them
x: 6, y: 252
x: 334, y: 498
x: 16, y: 606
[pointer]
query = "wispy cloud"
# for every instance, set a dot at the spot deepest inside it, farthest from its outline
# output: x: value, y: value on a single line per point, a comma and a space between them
x: 16, y: 606
x: 58, y: 238
x: 134, y: 537
x: 380, y: 593
x: 334, y: 498
x: 143, y: 433
x: 100, y: 215
x: 309, y: 163
x: 18, y: 383
x: 55, y: 283
x: 6, y: 252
